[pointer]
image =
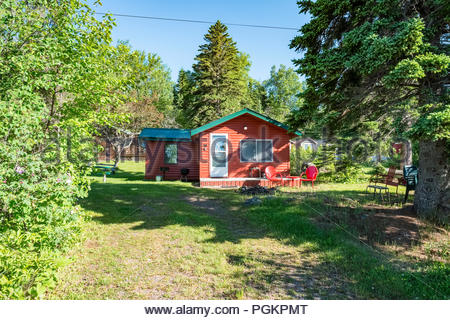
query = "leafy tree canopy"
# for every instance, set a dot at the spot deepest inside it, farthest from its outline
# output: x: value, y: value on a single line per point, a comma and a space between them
x: 145, y: 91
x: 53, y: 85
x: 282, y: 89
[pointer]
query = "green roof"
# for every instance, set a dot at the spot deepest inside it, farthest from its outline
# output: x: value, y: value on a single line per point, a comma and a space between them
x: 165, y: 134
x: 185, y: 134
x: 237, y: 114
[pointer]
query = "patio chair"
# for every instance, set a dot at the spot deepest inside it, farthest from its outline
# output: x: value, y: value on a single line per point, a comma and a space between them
x: 275, y: 177
x: 410, y: 177
x: 380, y: 183
x: 389, y: 179
x: 311, y: 175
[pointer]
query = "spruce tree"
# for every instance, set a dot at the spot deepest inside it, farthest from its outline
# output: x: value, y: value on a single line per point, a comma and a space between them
x: 217, y: 75
x: 385, y: 62
x: 184, y: 98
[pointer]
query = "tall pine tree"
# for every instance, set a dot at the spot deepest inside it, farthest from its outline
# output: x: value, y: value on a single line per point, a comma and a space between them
x: 185, y: 98
x: 218, y: 77
x: 219, y: 83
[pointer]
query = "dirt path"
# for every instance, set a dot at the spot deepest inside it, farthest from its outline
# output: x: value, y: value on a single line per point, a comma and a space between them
x: 148, y: 244
x: 288, y: 271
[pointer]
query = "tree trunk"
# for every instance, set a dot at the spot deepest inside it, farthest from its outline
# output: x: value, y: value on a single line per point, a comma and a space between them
x: 432, y: 196
x: 117, y: 152
x: 378, y: 154
x: 407, y: 156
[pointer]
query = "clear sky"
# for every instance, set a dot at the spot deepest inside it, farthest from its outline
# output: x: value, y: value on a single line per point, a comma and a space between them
x: 177, y: 42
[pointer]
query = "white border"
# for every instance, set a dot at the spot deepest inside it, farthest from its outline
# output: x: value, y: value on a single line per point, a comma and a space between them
x: 314, y: 310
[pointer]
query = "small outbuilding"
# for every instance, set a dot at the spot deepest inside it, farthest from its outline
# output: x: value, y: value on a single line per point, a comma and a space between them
x: 307, y: 143
x: 229, y: 152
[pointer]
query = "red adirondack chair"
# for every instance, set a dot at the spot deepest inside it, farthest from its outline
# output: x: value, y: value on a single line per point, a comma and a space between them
x: 275, y: 177
x: 389, y: 179
x: 311, y: 175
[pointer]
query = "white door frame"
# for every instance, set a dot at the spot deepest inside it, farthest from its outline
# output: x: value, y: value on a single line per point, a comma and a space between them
x: 211, y: 174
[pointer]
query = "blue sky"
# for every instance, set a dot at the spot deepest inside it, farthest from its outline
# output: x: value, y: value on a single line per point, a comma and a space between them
x: 177, y: 42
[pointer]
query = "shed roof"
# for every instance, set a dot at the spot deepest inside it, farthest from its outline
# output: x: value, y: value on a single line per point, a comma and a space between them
x: 165, y: 134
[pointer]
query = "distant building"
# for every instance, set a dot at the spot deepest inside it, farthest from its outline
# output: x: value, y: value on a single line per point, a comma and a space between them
x: 307, y: 143
x: 135, y: 152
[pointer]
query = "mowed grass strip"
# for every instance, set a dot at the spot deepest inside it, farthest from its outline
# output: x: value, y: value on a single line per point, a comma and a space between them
x: 171, y: 240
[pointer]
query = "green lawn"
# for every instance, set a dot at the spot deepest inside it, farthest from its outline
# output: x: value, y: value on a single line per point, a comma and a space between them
x: 172, y: 240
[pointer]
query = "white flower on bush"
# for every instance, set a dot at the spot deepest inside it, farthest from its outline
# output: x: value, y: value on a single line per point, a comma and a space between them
x: 19, y: 169
x: 69, y: 179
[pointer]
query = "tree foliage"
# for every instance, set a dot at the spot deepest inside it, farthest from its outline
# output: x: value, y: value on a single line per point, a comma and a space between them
x: 185, y: 98
x: 379, y: 61
x: 219, y: 83
x: 282, y: 89
x: 145, y: 96
x: 52, y: 87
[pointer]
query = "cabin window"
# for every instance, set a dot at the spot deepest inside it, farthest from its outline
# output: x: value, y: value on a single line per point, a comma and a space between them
x: 255, y: 150
x: 170, y: 153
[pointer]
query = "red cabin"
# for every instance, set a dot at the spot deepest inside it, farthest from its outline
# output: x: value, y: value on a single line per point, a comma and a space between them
x: 228, y: 152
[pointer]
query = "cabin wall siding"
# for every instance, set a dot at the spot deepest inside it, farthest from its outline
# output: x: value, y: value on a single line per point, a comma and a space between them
x: 256, y: 129
x: 187, y: 158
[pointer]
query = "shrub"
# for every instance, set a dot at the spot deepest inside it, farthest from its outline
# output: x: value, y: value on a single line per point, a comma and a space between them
x: 300, y: 159
x: 50, y: 80
x: 38, y: 219
x: 332, y: 168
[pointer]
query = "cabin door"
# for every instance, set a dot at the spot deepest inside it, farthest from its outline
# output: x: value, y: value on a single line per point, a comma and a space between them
x: 219, y: 155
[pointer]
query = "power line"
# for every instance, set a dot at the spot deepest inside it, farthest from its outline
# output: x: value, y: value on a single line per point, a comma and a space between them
x: 198, y: 21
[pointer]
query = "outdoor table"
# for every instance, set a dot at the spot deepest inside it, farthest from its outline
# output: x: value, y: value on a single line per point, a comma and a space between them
x: 380, y: 190
x: 107, y: 170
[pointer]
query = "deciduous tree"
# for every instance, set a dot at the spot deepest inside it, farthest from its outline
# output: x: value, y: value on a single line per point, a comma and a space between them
x: 283, y: 89
x: 145, y: 92
x: 52, y: 87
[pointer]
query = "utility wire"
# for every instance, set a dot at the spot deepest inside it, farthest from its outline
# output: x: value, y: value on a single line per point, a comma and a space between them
x: 197, y: 21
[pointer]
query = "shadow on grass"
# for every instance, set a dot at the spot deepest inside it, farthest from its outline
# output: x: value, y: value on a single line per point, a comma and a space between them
x: 152, y: 204
x: 375, y: 275
x: 156, y: 205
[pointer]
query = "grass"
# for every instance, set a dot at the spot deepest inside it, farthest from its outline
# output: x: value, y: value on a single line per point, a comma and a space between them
x: 172, y: 240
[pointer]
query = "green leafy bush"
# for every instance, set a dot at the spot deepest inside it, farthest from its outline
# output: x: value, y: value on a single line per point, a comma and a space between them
x: 332, y: 168
x: 38, y: 222
x: 51, y: 83
x: 300, y: 158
